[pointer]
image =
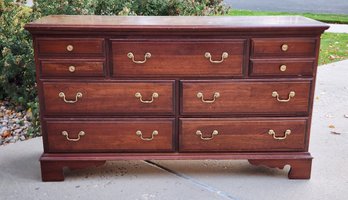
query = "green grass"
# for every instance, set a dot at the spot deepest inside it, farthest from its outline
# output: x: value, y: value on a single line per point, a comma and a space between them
x: 328, y: 18
x: 333, y: 48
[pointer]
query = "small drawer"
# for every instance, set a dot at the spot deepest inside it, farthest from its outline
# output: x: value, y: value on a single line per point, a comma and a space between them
x: 281, y: 67
x: 178, y: 58
x: 72, y: 68
x: 113, y: 98
x: 252, y: 134
x: 245, y: 97
x: 283, y: 47
x: 71, y: 46
x: 115, y: 135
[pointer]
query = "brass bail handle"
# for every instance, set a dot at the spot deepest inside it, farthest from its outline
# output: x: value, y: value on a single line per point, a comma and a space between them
x: 140, y: 134
x: 214, y: 133
x: 62, y: 95
x: 201, y: 96
x: 66, y: 134
x: 140, y: 97
x: 131, y: 56
x: 286, y: 133
x: 208, y: 55
x: 276, y: 95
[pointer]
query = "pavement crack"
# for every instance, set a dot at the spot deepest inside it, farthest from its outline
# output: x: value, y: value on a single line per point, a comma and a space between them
x: 194, y: 181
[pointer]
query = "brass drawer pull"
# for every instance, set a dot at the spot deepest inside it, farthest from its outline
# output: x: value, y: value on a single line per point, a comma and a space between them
x: 276, y: 95
x: 140, y: 134
x: 215, y: 132
x: 223, y: 56
x: 70, y: 47
x: 200, y: 96
x: 72, y: 68
x: 285, y: 47
x: 66, y: 134
x: 282, y: 68
x: 286, y: 133
x: 140, y: 97
x: 146, y: 56
x: 62, y: 95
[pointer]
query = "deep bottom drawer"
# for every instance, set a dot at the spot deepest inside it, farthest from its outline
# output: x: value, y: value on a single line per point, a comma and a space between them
x: 251, y: 134
x: 121, y: 135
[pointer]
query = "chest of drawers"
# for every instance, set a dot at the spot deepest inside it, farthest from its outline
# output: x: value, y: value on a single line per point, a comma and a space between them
x: 114, y: 88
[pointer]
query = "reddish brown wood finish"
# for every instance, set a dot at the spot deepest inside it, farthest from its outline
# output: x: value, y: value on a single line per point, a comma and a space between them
x: 300, y: 168
x: 250, y: 97
x: 111, y: 136
x: 271, y: 47
x: 178, y: 58
x: 269, y: 67
x: 242, y: 134
x: 109, y: 98
x: 108, y: 80
x: 53, y: 170
x: 54, y: 46
x: 82, y: 68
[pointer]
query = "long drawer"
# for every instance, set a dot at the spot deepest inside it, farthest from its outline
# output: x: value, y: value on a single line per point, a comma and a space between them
x: 251, y: 134
x: 105, y: 135
x: 245, y: 97
x: 178, y: 58
x: 114, y: 98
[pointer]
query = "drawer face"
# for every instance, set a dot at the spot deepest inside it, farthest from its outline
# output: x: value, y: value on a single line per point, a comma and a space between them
x: 293, y: 47
x: 112, y: 98
x: 245, y: 97
x: 110, y: 135
x: 251, y: 134
x: 72, y: 68
x: 281, y: 67
x: 71, y: 46
x: 178, y: 58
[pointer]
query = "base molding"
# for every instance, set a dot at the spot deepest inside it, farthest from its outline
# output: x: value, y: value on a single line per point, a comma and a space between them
x: 52, y: 164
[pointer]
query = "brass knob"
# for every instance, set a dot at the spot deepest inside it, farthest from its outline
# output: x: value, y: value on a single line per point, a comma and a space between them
x: 70, y: 47
x: 282, y: 68
x: 72, y: 68
x: 285, y: 47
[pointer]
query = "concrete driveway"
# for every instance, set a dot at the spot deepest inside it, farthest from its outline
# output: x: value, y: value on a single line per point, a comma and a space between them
x: 169, y: 180
x: 300, y: 6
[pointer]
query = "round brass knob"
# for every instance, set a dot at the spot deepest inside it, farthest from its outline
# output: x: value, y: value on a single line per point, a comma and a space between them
x: 72, y: 69
x: 282, y: 68
x: 70, y: 47
x: 285, y: 47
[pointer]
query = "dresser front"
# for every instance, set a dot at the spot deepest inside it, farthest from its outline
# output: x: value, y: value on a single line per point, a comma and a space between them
x: 179, y: 93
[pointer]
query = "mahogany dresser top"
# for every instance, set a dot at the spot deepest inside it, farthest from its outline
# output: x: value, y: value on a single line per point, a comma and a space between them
x: 191, y: 23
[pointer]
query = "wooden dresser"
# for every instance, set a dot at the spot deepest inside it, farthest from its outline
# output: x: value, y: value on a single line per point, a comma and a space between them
x: 119, y: 88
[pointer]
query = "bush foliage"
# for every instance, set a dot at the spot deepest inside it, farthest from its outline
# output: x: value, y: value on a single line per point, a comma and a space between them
x: 17, y: 67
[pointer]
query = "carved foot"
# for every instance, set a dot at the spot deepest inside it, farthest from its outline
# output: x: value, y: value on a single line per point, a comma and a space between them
x: 53, y: 170
x: 300, y: 168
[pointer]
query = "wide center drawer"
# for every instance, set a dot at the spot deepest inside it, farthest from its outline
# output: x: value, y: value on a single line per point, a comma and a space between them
x: 110, y: 135
x: 251, y: 134
x: 114, y: 98
x: 245, y: 97
x: 178, y: 58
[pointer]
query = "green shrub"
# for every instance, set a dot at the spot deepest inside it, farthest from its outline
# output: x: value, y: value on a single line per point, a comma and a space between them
x: 17, y: 67
x: 131, y: 7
